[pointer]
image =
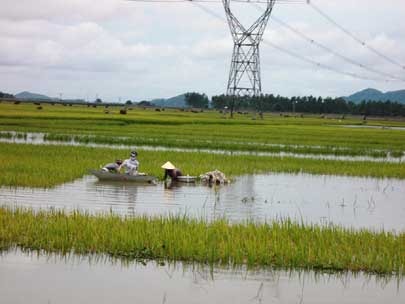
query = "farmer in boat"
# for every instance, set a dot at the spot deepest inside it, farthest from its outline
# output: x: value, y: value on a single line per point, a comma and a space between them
x: 171, y: 170
x: 131, y: 164
x: 113, y: 167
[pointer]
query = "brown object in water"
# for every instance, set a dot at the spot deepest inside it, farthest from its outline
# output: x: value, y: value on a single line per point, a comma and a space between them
x: 214, y: 177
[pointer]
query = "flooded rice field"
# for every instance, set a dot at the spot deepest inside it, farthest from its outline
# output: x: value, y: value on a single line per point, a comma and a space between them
x: 36, y: 278
x: 39, y: 139
x: 372, y: 127
x: 348, y: 201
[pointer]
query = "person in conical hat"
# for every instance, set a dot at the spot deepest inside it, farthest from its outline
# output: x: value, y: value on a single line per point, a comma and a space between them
x: 171, y: 171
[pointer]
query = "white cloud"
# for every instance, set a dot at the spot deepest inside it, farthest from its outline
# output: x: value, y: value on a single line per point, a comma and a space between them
x: 65, y: 11
x: 117, y: 48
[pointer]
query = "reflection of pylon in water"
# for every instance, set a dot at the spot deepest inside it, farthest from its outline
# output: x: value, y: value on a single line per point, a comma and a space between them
x: 244, y: 76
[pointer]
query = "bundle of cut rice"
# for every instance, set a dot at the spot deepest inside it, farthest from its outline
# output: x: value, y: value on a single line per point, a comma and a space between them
x: 215, y: 176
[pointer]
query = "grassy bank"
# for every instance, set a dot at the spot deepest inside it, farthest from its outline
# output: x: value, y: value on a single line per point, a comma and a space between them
x: 281, y: 244
x: 47, y: 166
x: 208, y: 129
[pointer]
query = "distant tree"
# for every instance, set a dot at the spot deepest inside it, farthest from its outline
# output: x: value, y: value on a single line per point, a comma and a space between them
x: 219, y: 102
x: 401, y: 109
x: 196, y: 100
x: 145, y: 103
x: 98, y: 100
x: 307, y: 104
x: 128, y: 102
x: 232, y: 103
x: 6, y: 95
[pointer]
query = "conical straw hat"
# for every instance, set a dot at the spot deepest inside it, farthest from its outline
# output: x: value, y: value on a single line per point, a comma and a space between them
x: 168, y: 166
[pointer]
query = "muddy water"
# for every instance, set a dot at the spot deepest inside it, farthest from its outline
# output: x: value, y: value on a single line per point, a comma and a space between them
x: 39, y: 139
x: 42, y: 279
x: 348, y: 201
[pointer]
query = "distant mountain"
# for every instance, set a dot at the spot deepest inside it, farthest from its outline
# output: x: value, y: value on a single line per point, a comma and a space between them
x: 376, y: 95
x: 174, y: 102
x: 31, y: 96
x: 396, y: 96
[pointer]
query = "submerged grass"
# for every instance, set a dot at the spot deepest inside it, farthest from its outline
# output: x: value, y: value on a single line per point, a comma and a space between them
x: 11, y: 135
x: 47, y: 166
x: 280, y: 244
x: 225, y: 146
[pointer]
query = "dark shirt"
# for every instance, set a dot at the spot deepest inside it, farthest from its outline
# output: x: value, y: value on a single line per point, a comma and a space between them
x: 113, y: 167
x: 172, y: 173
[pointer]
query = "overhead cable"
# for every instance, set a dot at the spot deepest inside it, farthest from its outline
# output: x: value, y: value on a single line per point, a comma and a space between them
x: 284, y: 50
x: 329, y: 50
x: 356, y: 38
x: 301, y: 57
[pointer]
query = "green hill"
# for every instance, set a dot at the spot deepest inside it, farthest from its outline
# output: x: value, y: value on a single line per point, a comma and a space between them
x: 376, y: 95
x: 173, y: 102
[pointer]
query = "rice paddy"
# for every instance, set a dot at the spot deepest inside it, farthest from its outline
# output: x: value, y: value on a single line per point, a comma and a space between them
x: 47, y: 166
x: 209, y: 130
x: 278, y: 244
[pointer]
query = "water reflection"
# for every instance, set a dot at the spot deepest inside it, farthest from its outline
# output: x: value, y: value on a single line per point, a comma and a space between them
x: 347, y: 201
x: 39, y: 278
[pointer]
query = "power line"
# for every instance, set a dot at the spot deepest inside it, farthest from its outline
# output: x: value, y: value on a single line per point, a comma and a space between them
x: 328, y: 49
x: 208, y: 11
x: 322, y: 65
x: 279, y: 48
x: 356, y: 38
x: 301, y: 57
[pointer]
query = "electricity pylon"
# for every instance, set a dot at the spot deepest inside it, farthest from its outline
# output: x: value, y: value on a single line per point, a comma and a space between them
x: 244, y: 76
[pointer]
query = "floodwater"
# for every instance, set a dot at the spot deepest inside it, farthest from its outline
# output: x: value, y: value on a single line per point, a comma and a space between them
x: 37, y: 279
x: 347, y: 201
x: 372, y: 127
x: 39, y: 139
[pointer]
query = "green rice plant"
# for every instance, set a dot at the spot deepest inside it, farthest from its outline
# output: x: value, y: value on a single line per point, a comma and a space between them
x: 224, y: 146
x: 7, y: 135
x: 49, y: 165
x: 13, y: 135
x: 173, y: 128
x: 20, y: 135
x: 178, y: 238
x: 397, y: 153
x: 58, y: 137
x: 204, y: 145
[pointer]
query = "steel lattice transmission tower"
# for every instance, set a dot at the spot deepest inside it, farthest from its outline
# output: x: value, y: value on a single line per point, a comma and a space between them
x: 244, y: 76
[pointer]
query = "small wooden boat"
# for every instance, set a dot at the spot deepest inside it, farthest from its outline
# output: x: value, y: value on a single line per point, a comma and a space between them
x: 118, y: 177
x: 186, y: 179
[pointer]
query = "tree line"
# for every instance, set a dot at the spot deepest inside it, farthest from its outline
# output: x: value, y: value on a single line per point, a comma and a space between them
x: 6, y: 95
x: 307, y: 104
x: 277, y: 103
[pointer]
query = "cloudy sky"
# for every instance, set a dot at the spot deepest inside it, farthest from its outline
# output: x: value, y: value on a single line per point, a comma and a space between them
x: 117, y: 49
